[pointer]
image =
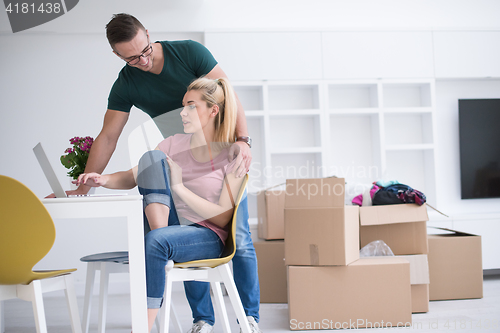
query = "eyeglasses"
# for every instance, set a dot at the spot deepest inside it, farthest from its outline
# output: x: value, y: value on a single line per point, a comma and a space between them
x: 135, y: 60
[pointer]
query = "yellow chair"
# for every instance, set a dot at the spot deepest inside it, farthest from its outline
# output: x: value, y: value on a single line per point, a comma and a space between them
x: 27, y: 234
x: 214, y: 271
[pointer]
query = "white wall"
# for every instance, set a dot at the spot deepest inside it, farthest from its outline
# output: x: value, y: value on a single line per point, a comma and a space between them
x: 297, y: 15
x: 55, y: 78
x: 448, y: 92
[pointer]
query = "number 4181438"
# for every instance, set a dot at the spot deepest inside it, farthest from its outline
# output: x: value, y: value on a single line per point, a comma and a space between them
x: 26, y: 8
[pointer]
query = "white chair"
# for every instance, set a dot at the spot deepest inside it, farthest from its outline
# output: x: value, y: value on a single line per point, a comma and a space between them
x: 27, y: 233
x: 106, y: 263
x: 214, y: 271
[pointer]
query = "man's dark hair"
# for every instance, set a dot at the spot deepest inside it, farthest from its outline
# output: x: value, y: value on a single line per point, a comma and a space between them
x: 122, y: 28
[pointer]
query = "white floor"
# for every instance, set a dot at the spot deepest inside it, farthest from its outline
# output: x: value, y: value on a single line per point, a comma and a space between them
x: 478, y: 315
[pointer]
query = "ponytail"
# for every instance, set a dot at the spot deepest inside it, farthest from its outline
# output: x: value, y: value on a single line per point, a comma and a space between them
x: 219, y: 92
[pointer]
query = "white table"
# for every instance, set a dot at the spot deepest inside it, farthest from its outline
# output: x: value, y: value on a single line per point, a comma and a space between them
x: 130, y: 208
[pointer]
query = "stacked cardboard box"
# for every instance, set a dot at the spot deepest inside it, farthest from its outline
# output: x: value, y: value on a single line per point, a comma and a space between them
x: 270, y: 249
x: 272, y: 271
x: 403, y: 228
x: 455, y: 265
x: 329, y: 287
x: 270, y: 213
x: 419, y: 280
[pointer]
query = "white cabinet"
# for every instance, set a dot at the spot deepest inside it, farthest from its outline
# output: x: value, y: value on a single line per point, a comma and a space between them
x: 377, y: 54
x: 267, y: 55
x: 467, y: 54
x: 360, y: 130
x: 488, y: 227
x: 345, y: 55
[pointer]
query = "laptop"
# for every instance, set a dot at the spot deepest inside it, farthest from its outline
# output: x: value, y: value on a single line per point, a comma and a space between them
x: 54, y: 181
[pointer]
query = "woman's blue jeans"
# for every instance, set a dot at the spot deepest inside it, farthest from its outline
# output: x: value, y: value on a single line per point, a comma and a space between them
x: 244, y: 261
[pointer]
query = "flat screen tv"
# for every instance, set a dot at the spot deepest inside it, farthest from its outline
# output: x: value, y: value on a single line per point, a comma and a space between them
x: 479, y: 131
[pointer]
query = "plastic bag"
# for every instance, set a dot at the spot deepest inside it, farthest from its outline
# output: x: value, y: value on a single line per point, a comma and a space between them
x: 376, y: 248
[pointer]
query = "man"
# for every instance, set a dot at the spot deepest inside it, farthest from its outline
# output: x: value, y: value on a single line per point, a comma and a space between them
x: 155, y: 80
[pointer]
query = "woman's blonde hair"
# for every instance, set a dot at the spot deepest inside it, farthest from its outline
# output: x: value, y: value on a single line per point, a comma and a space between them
x: 219, y: 92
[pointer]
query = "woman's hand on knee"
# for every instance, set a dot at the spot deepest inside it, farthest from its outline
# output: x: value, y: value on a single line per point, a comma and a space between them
x: 175, y: 173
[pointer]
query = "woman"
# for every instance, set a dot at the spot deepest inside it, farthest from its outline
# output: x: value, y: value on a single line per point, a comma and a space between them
x: 187, y: 184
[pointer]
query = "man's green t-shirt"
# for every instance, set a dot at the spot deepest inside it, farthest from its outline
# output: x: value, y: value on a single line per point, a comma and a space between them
x: 184, y: 61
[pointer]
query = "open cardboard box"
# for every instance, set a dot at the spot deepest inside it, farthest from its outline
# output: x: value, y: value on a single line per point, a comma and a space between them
x: 319, y: 229
x: 419, y: 280
x: 370, y: 292
x: 402, y: 227
x: 317, y: 192
x: 455, y: 265
x: 321, y: 236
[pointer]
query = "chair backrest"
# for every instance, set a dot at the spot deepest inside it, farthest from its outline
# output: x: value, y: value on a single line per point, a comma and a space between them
x: 27, y: 232
x: 230, y: 245
x: 142, y: 139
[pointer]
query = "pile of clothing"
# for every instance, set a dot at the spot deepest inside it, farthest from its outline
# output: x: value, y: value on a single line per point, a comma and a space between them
x: 389, y: 193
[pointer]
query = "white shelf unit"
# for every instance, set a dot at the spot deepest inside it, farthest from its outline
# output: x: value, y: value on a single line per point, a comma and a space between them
x: 363, y: 130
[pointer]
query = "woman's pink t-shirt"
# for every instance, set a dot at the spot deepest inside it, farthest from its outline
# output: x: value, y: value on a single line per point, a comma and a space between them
x: 205, y: 179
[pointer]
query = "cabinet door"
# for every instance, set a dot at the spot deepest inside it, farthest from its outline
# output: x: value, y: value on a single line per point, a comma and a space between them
x: 357, y: 55
x: 467, y: 54
x: 267, y: 55
x: 488, y: 229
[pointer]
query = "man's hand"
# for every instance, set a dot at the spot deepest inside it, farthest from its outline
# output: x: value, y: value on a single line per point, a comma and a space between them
x: 83, y: 189
x: 92, y: 179
x: 240, y: 151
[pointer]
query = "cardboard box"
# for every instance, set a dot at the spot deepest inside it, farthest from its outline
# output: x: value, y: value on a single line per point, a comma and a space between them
x: 419, y: 298
x: 402, y: 227
x: 419, y: 268
x: 321, y: 236
x: 315, y: 192
x: 272, y: 271
x: 455, y: 266
x: 271, y: 214
x: 419, y: 280
x: 370, y: 292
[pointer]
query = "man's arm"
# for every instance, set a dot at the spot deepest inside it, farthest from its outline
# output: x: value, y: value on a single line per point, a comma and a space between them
x: 105, y: 144
x: 243, y: 159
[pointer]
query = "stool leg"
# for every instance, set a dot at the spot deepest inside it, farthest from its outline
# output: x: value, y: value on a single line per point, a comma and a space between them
x: 89, y: 290
x: 103, y: 297
x: 2, y: 318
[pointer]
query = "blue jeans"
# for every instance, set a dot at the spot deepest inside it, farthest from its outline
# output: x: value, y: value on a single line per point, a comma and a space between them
x: 244, y: 271
x: 244, y: 261
x: 180, y: 244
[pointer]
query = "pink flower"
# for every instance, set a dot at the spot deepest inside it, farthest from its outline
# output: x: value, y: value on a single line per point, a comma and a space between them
x: 76, y: 162
x: 85, y: 147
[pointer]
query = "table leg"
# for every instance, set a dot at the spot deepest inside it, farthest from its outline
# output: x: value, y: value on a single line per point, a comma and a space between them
x: 137, y: 268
